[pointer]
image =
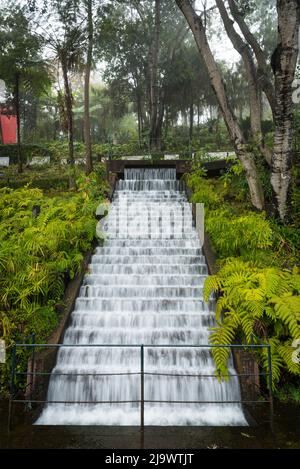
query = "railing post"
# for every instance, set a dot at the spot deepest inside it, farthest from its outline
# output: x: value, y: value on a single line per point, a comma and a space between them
x: 142, y: 388
x: 12, y: 386
x: 270, y: 379
x: 142, y: 398
x: 33, y: 379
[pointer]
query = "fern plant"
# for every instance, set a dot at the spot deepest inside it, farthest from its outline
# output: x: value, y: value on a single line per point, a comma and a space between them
x: 256, y: 306
x: 234, y: 235
x: 257, y: 290
x: 39, y: 254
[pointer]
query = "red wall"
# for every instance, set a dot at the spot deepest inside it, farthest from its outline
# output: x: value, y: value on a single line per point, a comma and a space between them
x: 8, y: 129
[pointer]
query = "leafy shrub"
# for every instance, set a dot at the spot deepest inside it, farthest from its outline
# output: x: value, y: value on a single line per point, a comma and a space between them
x: 234, y: 235
x: 60, y: 150
x: 289, y: 392
x: 203, y: 192
x: 257, y: 306
x: 93, y: 185
x: 258, y: 293
x: 50, y: 177
x: 233, y: 231
x: 38, y: 254
x: 234, y: 181
x: 28, y: 152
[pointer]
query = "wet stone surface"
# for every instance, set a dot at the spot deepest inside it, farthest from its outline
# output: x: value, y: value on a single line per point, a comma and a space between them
x: 285, y: 434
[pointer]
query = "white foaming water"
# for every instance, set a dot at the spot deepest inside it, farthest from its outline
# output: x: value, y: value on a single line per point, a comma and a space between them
x: 144, y: 286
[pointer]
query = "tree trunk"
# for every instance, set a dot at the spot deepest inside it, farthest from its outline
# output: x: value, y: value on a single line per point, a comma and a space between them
x: 255, y: 187
x: 284, y: 62
x: 139, y: 115
x: 153, y: 75
x: 69, y: 110
x: 240, y: 112
x: 191, y: 122
x: 198, y: 116
x: 160, y: 119
x: 166, y: 123
x: 263, y: 72
x: 235, y: 132
x: 254, y: 92
x: 17, y: 100
x: 87, y: 120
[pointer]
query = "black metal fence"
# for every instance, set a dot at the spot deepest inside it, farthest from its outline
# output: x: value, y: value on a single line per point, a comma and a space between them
x: 31, y: 375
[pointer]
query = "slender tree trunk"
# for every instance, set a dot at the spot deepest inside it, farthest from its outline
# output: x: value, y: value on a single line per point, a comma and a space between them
x: 153, y: 75
x: 87, y: 120
x: 254, y: 91
x: 240, y: 112
x: 191, y: 121
x: 17, y: 100
x: 166, y: 123
x: 246, y: 158
x: 284, y: 62
x: 139, y: 115
x: 139, y: 128
x: 263, y: 72
x: 160, y: 119
x: 69, y: 112
x: 144, y: 118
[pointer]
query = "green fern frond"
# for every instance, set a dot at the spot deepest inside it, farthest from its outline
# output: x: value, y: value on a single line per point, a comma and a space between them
x: 287, y: 352
x: 277, y: 362
x: 247, y: 327
x: 221, y: 305
x: 223, y: 335
x: 211, y: 284
x: 287, y: 309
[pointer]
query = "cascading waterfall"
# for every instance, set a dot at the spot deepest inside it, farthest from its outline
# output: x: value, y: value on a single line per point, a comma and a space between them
x: 144, y: 286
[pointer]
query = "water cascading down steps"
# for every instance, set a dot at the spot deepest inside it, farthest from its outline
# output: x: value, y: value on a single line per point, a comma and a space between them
x: 144, y: 286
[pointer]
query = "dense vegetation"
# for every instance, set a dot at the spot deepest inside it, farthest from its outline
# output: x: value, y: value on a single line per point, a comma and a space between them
x: 43, y: 238
x: 177, y: 142
x: 164, y: 89
x: 258, y: 281
x: 162, y: 72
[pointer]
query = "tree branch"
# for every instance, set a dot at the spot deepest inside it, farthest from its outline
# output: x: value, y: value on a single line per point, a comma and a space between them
x: 263, y: 71
x: 254, y: 93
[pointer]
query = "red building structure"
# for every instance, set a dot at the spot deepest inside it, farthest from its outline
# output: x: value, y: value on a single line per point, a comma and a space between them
x: 8, y: 125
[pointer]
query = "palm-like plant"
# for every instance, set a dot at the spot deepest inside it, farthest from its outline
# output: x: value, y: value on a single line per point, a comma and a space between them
x: 64, y: 34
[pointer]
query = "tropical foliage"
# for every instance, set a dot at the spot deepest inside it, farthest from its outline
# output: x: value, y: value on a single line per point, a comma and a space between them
x: 257, y: 306
x: 257, y: 287
x: 42, y: 242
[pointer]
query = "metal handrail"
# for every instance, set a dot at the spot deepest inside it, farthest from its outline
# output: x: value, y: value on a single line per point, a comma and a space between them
x: 181, y: 375
x: 141, y: 373
x: 139, y: 401
x: 148, y: 345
